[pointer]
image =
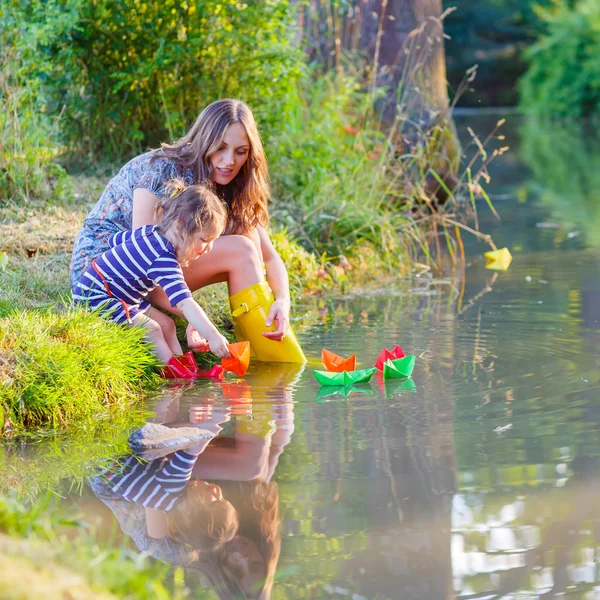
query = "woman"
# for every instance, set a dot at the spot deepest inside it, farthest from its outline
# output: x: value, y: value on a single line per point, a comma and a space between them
x: 223, y: 147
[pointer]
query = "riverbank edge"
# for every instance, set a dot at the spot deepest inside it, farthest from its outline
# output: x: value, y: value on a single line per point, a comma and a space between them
x: 34, y: 287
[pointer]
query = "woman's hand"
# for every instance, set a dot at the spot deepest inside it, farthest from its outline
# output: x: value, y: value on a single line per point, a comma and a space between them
x: 280, y: 314
x: 195, y: 341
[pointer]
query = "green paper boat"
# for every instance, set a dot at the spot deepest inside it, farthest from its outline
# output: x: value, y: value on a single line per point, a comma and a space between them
x: 325, y: 391
x: 399, y: 387
x: 345, y: 377
x: 398, y: 368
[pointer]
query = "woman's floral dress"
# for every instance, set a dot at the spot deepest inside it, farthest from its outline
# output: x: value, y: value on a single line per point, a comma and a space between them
x: 113, y: 211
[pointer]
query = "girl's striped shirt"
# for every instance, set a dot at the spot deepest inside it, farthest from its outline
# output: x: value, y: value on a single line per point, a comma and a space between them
x: 136, y: 263
x: 156, y: 484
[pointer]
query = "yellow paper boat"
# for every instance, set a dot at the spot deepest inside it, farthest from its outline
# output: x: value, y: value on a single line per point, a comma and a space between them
x: 498, y: 260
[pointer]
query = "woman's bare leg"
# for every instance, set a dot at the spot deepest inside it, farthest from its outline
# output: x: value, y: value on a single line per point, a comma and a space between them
x: 233, y: 258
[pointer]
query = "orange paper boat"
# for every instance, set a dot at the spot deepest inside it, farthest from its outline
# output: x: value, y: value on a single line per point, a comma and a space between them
x: 386, y: 354
x: 336, y: 364
x: 240, y: 358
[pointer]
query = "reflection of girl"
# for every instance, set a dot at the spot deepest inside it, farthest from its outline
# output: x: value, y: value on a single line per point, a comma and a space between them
x: 158, y: 505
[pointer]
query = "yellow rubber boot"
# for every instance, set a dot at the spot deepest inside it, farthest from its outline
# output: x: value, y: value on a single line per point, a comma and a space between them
x: 249, y: 309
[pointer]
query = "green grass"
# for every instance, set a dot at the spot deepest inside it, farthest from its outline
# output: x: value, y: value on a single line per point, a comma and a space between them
x: 63, y: 367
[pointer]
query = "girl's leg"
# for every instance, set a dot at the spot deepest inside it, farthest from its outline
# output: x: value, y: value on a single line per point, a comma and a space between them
x: 154, y: 335
x: 169, y: 331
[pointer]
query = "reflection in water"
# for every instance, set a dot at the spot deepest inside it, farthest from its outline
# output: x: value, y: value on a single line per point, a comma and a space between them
x: 211, y: 506
x: 564, y: 161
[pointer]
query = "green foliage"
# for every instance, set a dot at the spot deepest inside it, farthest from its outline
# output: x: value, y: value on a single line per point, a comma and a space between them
x: 28, y: 140
x: 60, y: 368
x: 329, y: 168
x: 302, y: 266
x: 563, y: 79
x: 134, y: 74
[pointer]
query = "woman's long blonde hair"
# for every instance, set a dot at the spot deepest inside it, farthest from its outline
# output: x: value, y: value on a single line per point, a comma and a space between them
x: 247, y: 196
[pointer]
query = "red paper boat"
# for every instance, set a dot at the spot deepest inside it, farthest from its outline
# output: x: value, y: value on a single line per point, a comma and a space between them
x: 336, y: 364
x: 386, y: 354
x: 239, y: 360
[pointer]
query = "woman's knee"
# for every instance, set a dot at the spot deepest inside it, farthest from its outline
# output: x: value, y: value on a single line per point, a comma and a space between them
x: 243, y: 251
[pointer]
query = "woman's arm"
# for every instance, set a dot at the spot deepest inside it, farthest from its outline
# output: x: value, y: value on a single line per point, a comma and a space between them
x: 277, y: 276
x: 144, y: 205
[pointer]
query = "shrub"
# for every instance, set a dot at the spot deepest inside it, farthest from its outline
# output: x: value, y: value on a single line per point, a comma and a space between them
x: 563, y: 78
x: 29, y: 152
x: 134, y: 74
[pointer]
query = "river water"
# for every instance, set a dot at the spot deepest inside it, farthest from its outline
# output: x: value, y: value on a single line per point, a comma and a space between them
x: 481, y: 482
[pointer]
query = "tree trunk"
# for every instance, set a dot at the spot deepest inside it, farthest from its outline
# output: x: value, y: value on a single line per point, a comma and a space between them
x: 406, y: 40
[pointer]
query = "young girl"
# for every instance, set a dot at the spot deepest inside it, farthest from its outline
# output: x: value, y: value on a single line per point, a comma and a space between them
x: 117, y: 282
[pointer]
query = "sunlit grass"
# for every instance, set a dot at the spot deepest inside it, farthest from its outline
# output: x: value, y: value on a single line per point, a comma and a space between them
x: 62, y: 367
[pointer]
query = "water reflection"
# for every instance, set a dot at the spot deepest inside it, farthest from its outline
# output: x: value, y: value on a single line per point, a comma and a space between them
x: 198, y: 492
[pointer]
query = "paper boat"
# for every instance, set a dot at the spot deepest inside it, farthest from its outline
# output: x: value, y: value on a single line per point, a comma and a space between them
x: 498, y: 260
x: 345, y: 378
x: 325, y: 391
x: 333, y: 362
x: 239, y: 360
x: 386, y: 354
x: 398, y: 368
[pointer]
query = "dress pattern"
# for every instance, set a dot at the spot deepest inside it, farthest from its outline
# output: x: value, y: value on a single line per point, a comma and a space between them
x: 113, y: 211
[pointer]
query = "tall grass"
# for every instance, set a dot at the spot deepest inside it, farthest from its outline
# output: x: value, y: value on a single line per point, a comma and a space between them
x: 377, y: 196
x: 29, y: 148
x: 70, y: 367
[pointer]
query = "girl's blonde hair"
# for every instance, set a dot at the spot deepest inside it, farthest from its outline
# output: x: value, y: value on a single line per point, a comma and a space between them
x: 193, y: 209
x: 248, y: 194
x: 203, y: 526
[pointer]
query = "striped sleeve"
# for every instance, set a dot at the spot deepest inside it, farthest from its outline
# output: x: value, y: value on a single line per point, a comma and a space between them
x: 174, y: 475
x: 118, y: 238
x: 167, y: 273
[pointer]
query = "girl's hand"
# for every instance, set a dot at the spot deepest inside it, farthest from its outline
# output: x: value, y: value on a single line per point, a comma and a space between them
x: 218, y: 345
x: 195, y: 341
x: 280, y: 313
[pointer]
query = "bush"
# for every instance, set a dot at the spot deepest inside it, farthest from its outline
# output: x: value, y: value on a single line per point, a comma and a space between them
x: 563, y: 79
x: 29, y: 152
x: 134, y: 74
